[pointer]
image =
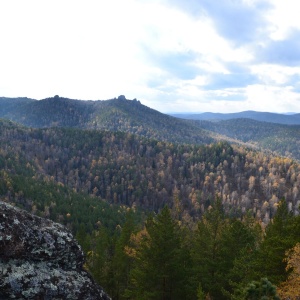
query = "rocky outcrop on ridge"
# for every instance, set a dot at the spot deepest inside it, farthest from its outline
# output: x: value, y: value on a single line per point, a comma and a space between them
x: 40, y: 259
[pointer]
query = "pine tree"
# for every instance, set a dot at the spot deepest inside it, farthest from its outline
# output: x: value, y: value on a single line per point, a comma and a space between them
x: 281, y: 235
x: 238, y: 240
x: 122, y: 263
x: 260, y: 290
x: 206, y: 252
x: 161, y: 263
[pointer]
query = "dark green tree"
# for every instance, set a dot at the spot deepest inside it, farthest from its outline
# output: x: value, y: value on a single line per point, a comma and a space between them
x: 206, y: 252
x: 238, y: 240
x: 160, y: 270
x: 260, y: 290
x: 122, y: 263
x: 281, y: 235
x: 220, y: 242
x: 99, y: 259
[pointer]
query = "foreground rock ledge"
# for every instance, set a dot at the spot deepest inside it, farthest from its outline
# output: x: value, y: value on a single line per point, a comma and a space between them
x: 40, y: 259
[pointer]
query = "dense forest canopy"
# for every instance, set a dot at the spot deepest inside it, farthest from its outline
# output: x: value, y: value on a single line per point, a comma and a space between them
x: 128, y: 170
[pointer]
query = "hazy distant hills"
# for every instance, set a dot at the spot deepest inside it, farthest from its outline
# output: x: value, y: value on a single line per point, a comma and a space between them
x: 279, y: 133
x: 10, y: 104
x: 280, y: 138
x: 50, y: 112
x: 290, y: 119
x: 117, y: 114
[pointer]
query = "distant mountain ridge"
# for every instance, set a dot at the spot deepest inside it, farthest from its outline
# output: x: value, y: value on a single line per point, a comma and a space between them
x: 118, y: 114
x: 288, y: 119
x: 130, y: 116
x: 9, y: 104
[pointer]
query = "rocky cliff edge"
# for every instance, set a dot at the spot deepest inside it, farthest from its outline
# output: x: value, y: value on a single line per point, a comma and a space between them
x: 40, y: 259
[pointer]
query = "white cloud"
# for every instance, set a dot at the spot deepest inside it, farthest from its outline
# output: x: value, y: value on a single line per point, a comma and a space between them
x: 283, y: 18
x: 152, y: 50
x: 71, y: 46
x: 272, y: 98
x: 274, y: 74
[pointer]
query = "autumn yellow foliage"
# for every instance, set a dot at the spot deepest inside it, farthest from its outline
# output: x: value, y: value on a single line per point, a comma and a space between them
x: 290, y: 289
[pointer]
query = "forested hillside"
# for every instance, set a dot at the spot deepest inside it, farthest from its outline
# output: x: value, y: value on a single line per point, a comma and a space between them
x: 117, y: 114
x: 282, y: 139
x: 127, y: 170
x: 10, y: 104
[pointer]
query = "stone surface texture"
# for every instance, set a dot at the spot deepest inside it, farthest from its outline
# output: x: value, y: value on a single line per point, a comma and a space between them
x: 40, y: 259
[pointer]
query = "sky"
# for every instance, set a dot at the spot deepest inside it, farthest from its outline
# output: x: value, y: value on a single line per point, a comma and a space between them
x: 174, y: 56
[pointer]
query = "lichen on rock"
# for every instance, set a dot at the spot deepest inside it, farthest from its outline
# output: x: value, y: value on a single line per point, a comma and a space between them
x: 40, y: 259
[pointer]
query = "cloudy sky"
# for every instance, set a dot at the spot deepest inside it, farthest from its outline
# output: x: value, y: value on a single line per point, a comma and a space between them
x: 172, y: 55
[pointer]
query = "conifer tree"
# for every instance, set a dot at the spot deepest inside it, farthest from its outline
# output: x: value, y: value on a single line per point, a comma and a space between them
x: 161, y: 263
x: 239, y: 239
x: 260, y: 290
x: 122, y: 263
x: 206, y: 252
x: 281, y: 235
x: 220, y: 242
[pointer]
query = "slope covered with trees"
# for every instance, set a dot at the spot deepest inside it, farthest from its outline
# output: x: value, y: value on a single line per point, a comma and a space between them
x: 127, y: 170
x: 117, y: 114
x: 281, y: 139
x: 8, y: 105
